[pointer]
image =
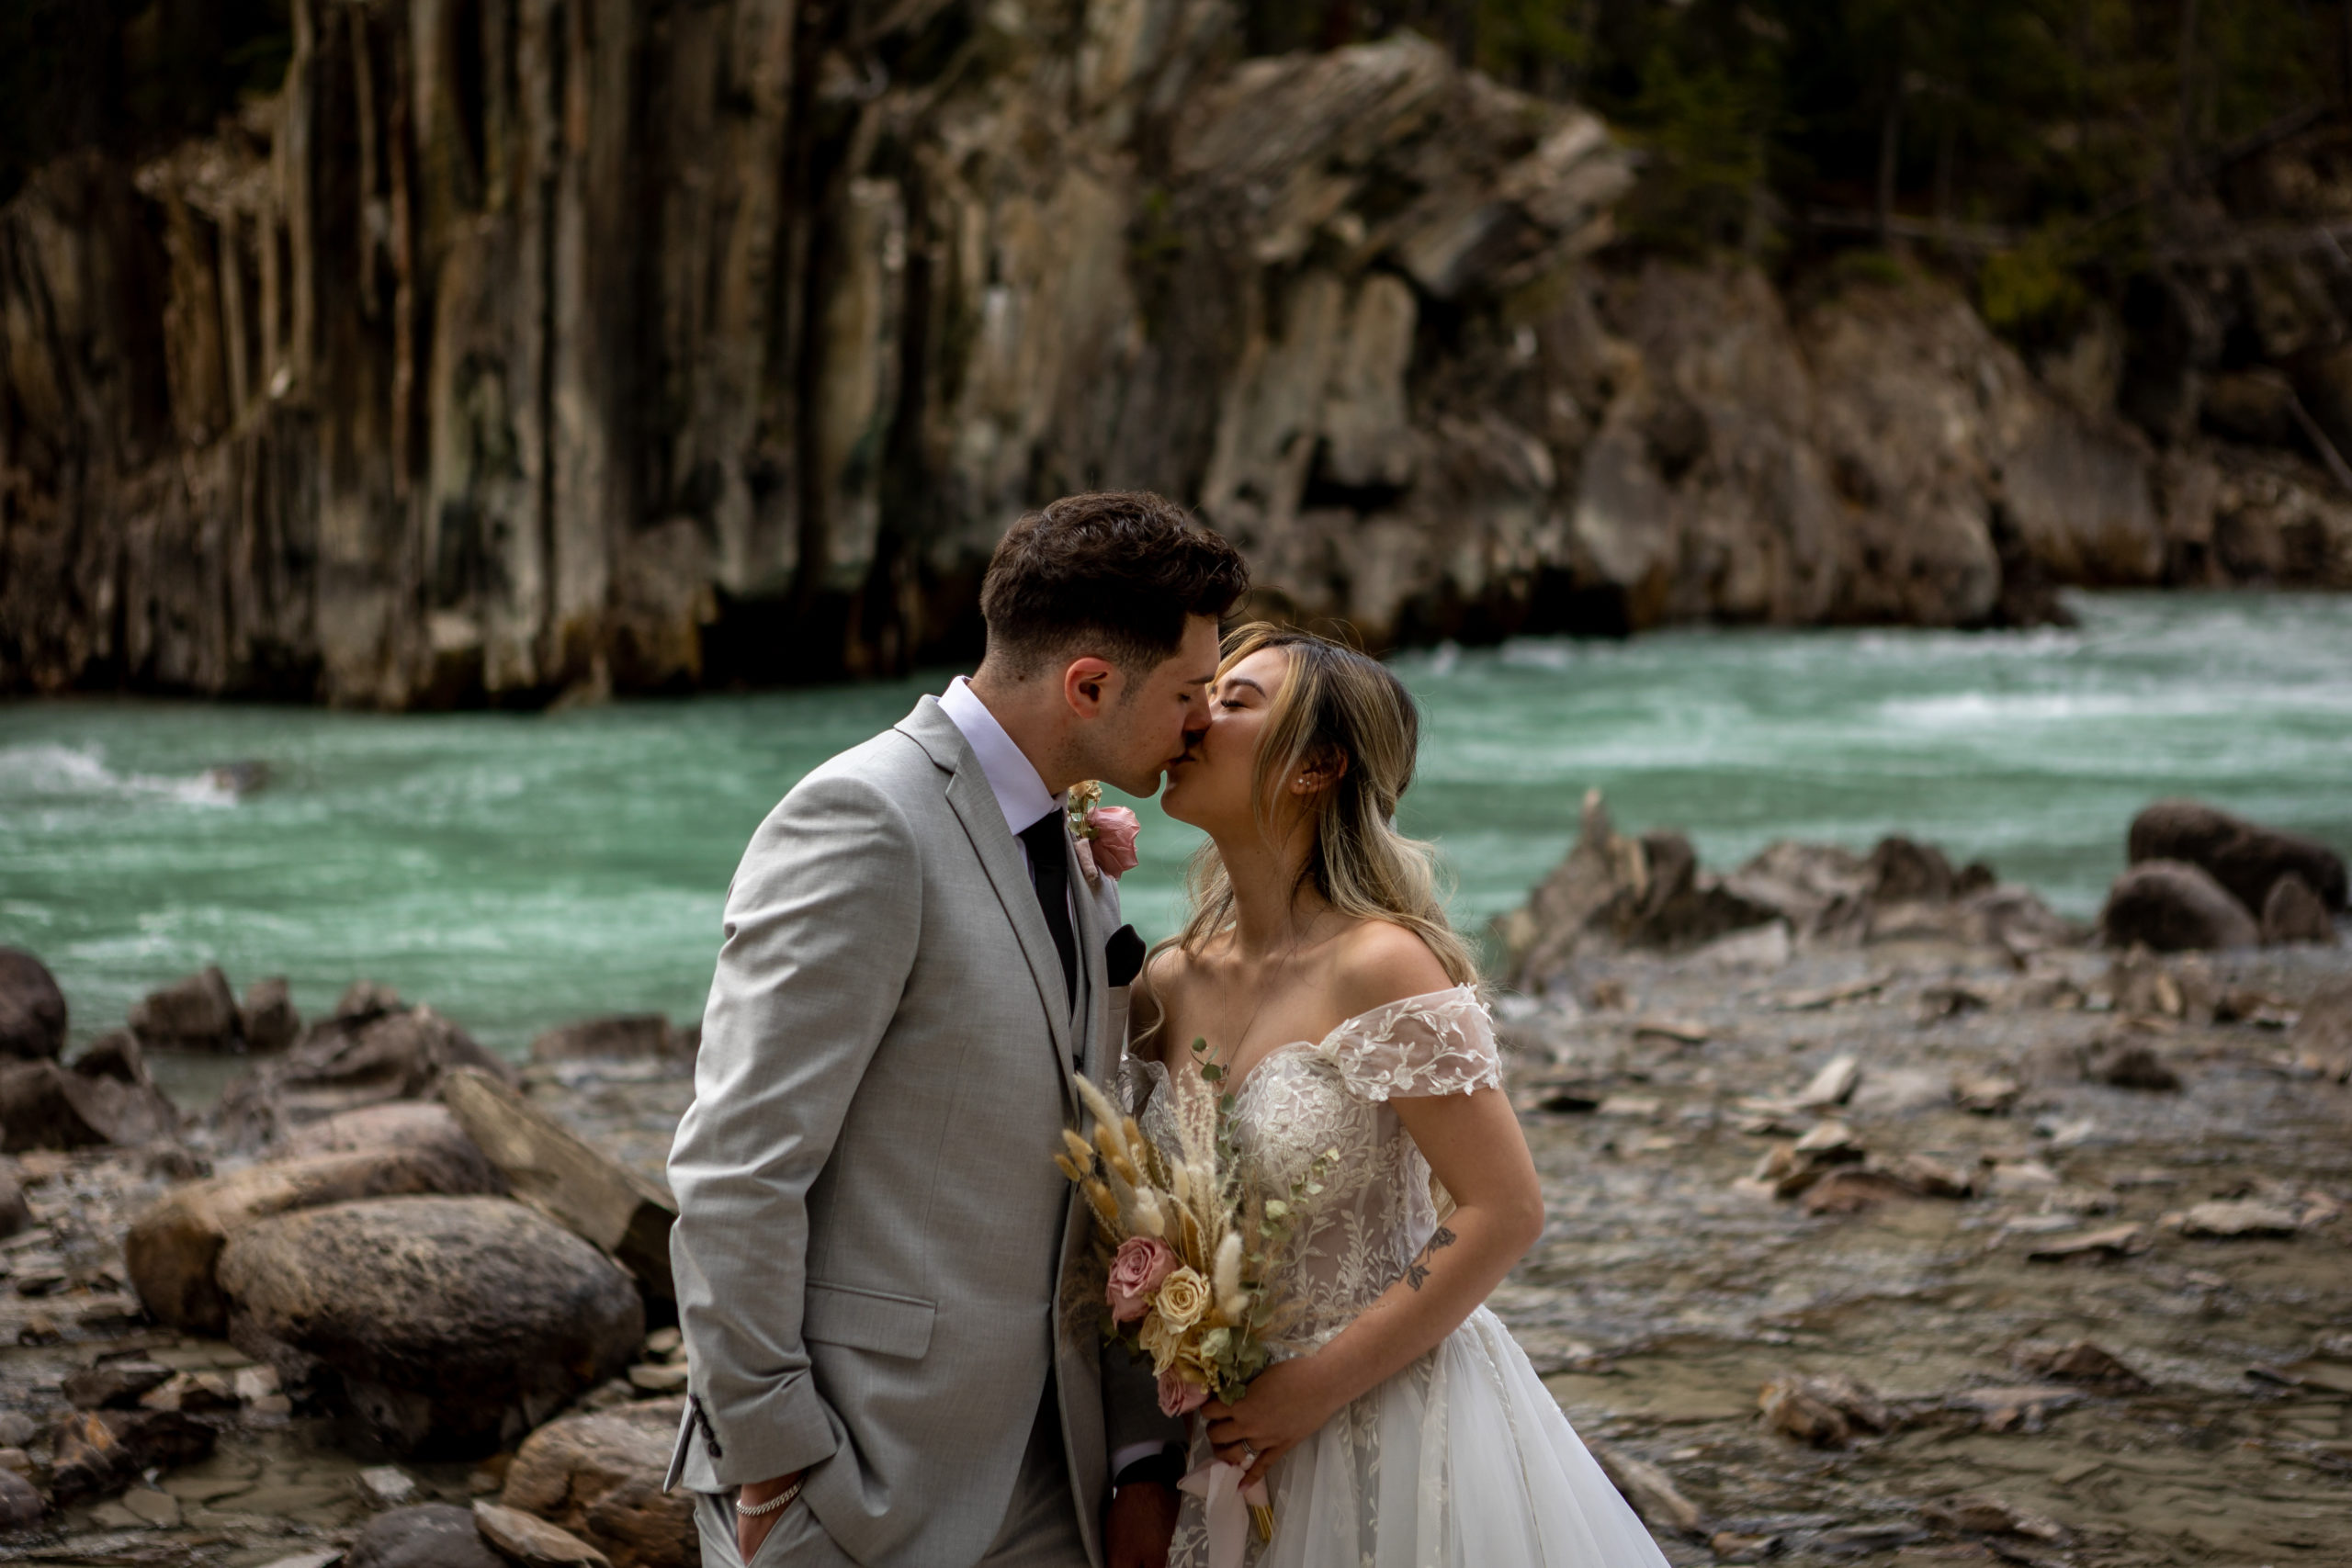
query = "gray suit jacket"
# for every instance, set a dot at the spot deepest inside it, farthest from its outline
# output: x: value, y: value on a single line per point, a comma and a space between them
x: 870, y: 1228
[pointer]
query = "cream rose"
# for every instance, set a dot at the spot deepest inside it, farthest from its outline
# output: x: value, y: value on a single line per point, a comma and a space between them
x: 1183, y: 1299
x: 1160, y: 1342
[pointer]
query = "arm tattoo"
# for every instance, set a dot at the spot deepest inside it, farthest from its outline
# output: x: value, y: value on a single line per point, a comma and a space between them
x: 1417, y: 1271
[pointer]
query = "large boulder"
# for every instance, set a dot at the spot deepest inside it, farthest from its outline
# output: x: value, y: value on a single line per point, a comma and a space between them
x: 33, y: 1009
x: 44, y: 1106
x: 443, y: 1325
x: 600, y: 1476
x: 199, y: 1013
x: 2245, y: 857
x: 173, y: 1249
x: 354, y: 1060
x: 429, y: 1535
x: 2174, y: 907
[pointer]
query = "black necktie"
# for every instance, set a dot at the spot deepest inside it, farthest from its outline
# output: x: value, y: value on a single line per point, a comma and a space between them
x: 1049, y: 875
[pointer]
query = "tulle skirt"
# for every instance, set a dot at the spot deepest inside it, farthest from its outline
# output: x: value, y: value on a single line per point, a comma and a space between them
x: 1460, y: 1460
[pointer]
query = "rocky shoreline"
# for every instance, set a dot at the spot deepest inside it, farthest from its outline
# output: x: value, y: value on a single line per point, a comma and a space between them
x: 1894, y: 1219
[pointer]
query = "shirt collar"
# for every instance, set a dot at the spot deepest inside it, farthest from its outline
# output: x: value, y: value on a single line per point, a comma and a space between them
x: 1020, y: 794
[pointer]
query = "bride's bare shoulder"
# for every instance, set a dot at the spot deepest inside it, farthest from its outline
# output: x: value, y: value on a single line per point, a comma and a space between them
x: 1159, y: 992
x: 1377, y: 962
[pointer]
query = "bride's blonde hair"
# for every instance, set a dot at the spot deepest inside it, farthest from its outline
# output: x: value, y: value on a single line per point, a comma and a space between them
x: 1338, y: 703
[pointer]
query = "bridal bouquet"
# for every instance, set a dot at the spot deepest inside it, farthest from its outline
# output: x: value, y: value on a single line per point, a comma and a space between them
x: 1185, y: 1238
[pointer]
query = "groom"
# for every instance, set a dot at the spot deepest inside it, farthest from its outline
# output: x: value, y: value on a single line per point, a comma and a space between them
x: 871, y: 1232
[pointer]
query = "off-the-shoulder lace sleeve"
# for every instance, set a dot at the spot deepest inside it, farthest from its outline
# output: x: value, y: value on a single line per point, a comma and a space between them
x: 1442, y: 1043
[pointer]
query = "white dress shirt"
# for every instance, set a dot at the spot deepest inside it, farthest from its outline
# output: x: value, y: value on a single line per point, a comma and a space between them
x: 1020, y: 794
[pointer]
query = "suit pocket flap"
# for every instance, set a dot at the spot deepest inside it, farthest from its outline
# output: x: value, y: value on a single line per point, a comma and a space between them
x: 866, y: 1320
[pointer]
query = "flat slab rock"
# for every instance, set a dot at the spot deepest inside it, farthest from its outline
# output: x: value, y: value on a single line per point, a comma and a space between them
x: 446, y: 1323
x: 533, y: 1542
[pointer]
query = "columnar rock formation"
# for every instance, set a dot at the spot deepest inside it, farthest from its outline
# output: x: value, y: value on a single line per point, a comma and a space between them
x: 518, y: 345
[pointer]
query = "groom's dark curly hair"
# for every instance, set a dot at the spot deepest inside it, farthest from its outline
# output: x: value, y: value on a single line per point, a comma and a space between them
x: 1117, y: 571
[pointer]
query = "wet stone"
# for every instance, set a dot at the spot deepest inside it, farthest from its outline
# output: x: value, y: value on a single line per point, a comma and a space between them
x: 429, y: 1534
x: 113, y: 1384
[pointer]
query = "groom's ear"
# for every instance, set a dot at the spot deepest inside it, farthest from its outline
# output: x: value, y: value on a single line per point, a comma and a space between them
x: 1089, y: 685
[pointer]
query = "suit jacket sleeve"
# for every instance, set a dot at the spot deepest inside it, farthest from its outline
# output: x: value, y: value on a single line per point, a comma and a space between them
x: 822, y: 925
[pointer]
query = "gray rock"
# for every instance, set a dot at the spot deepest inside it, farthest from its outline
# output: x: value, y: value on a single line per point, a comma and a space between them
x: 117, y: 1385
x: 2128, y: 1064
x: 364, y: 1000
x: 1904, y: 870
x: 267, y: 1015
x: 429, y: 1534
x: 44, y: 1106
x: 33, y: 1009
x: 346, y: 1063
x: 114, y: 1055
x: 599, y: 1476
x: 388, y: 1485
x: 2172, y: 905
x: 443, y: 1323
x: 20, y: 1505
x: 196, y: 1014
x: 2245, y: 857
x: 2234, y: 1217
x: 15, y: 1213
x: 2293, y: 913
x: 2325, y: 1026
x: 101, y: 1451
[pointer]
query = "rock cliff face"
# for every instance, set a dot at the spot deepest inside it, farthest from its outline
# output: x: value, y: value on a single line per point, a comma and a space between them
x: 523, y: 346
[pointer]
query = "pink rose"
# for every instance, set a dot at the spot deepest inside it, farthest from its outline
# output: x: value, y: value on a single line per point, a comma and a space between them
x: 1179, y: 1397
x: 1114, y: 838
x: 1138, y: 1268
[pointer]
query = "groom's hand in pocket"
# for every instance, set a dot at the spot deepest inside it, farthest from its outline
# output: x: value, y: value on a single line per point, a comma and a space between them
x: 1142, y: 1522
x: 751, y: 1530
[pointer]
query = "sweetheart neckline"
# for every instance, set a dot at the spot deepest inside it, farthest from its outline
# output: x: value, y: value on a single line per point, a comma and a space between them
x: 1340, y: 1028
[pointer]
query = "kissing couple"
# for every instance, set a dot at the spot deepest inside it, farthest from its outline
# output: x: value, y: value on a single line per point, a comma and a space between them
x: 923, y: 947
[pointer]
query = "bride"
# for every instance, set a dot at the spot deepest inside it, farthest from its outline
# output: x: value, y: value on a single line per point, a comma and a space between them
x: 1401, y: 1427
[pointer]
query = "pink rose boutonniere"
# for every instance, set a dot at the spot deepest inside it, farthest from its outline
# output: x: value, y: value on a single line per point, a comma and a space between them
x: 1105, y: 834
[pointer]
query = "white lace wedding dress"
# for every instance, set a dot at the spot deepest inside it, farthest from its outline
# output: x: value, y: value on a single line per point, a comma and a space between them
x: 1462, y: 1460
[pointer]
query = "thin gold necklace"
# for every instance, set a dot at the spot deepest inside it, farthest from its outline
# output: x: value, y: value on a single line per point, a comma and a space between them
x: 1225, y: 1067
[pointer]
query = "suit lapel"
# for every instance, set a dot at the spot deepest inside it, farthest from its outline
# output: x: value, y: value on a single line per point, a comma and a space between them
x: 1093, y: 992
x: 983, y: 821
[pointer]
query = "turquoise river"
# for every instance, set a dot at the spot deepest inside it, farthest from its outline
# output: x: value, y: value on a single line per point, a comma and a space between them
x: 516, y: 870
